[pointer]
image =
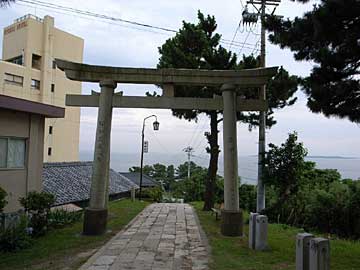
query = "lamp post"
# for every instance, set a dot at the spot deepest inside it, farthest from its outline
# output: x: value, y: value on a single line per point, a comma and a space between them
x: 156, y: 127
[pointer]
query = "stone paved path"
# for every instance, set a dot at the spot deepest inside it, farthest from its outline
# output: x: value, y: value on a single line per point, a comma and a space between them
x: 163, y: 236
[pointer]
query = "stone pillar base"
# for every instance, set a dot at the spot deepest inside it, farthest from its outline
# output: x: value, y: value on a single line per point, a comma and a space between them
x: 95, y: 221
x: 231, y: 223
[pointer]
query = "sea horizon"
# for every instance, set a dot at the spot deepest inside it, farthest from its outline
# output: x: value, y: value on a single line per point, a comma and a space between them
x: 347, y: 166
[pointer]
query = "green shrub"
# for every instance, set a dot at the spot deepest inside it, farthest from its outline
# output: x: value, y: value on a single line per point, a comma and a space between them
x: 3, y: 202
x: 299, y: 194
x: 15, y: 237
x: 154, y: 193
x: 60, y: 218
x: 37, y: 205
x: 354, y: 207
x: 193, y: 188
x: 335, y: 210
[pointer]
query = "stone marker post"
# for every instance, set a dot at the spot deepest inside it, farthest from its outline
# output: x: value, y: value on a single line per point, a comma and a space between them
x: 252, y: 230
x: 302, y: 250
x: 95, y: 216
x: 133, y: 191
x: 261, y: 232
x: 231, y: 215
x: 319, y: 256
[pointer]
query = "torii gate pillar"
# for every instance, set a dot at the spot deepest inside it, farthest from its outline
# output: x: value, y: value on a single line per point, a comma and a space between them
x: 231, y: 215
x: 95, y: 217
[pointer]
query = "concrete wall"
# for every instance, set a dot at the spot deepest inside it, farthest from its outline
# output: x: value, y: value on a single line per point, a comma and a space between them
x: 31, y: 35
x: 18, y: 182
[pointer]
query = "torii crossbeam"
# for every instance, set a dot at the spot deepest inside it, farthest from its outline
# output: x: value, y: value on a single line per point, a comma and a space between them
x: 108, y: 77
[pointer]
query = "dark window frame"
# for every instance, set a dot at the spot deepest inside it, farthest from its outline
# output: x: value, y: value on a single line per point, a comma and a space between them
x: 18, y: 60
x: 36, y: 61
x: 13, y: 80
x: 35, y: 84
x: 24, y: 165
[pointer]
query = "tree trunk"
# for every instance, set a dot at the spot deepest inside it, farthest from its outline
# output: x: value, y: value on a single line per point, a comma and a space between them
x: 209, y: 196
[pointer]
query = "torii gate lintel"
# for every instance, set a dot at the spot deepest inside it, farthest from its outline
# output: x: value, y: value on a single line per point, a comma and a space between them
x: 166, y: 102
x: 108, y: 77
x: 166, y: 76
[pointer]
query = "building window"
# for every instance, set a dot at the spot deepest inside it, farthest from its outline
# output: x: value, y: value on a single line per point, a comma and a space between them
x: 14, y: 79
x: 36, y: 61
x: 50, y: 130
x: 12, y: 153
x: 52, y: 88
x: 16, y: 60
x: 53, y: 64
x: 35, y: 84
x: 49, y: 151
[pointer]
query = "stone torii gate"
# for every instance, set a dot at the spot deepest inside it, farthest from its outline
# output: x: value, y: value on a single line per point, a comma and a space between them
x: 228, y: 81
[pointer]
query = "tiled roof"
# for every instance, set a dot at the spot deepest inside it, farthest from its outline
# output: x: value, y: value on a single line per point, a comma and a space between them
x: 135, y: 178
x: 70, y: 181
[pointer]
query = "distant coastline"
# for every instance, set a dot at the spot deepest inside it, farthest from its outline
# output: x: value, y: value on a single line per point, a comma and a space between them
x: 348, y: 167
x: 332, y: 157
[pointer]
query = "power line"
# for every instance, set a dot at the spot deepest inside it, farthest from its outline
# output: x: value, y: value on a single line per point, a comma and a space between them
x: 236, y: 31
x: 257, y: 43
x: 89, y: 19
x: 201, y: 142
x: 57, y: 7
x: 242, y: 5
x: 203, y: 153
x: 153, y: 135
x: 244, y: 43
x: 93, y: 14
x: 196, y: 141
x: 237, y: 43
x: 194, y: 131
x: 253, y: 29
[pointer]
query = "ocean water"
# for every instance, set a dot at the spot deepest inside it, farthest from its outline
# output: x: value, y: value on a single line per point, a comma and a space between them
x: 347, y: 167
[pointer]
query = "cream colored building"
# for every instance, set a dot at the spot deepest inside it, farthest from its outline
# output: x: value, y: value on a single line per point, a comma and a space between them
x: 21, y: 146
x: 28, y: 71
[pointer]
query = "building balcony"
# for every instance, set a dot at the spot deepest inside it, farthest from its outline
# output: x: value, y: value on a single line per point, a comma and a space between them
x: 28, y: 16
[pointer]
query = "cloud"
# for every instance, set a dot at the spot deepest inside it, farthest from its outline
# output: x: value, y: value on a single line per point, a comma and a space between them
x: 114, y: 43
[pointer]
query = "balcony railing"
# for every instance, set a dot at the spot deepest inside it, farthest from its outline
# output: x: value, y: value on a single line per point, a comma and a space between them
x: 28, y: 16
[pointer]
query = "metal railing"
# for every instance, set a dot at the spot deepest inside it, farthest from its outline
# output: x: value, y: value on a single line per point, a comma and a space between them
x: 28, y: 16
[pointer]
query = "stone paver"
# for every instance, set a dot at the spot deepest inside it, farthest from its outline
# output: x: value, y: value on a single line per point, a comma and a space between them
x: 163, y: 236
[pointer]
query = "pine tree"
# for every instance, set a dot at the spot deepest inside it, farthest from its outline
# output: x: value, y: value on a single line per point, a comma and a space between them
x: 328, y: 35
x: 279, y: 94
x: 4, y: 3
x: 198, y: 46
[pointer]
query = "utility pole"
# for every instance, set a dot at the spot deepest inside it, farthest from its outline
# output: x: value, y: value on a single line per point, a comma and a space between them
x: 260, y: 200
x: 189, y: 150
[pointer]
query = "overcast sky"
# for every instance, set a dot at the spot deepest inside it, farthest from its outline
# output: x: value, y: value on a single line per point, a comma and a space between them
x: 119, y: 44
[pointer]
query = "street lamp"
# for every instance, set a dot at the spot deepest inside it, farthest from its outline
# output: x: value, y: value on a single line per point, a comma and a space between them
x: 156, y: 125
